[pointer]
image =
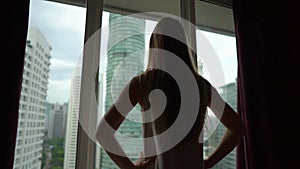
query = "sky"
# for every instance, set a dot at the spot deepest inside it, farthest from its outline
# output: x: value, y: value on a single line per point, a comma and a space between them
x: 63, y: 26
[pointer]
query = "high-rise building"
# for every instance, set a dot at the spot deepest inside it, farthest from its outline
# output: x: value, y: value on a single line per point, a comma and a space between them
x: 32, y: 109
x: 47, y: 118
x: 55, y: 120
x: 72, y: 120
x: 121, y: 31
x: 229, y: 94
x: 66, y: 110
x: 58, y: 121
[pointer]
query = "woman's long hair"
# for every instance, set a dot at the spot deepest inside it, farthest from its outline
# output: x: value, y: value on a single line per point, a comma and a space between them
x: 169, y: 35
x: 167, y: 40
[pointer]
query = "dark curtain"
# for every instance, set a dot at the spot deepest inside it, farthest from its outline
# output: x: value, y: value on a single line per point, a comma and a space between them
x: 14, y: 25
x: 268, y: 45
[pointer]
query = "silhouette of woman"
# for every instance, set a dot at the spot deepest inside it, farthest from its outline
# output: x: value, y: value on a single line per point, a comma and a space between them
x: 169, y: 36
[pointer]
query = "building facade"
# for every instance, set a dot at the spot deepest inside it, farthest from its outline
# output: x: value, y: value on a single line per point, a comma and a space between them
x: 229, y: 94
x: 72, y: 120
x: 32, y: 109
x: 125, y: 38
x: 55, y: 120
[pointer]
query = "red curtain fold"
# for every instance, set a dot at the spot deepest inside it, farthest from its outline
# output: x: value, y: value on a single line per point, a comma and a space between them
x: 268, y: 47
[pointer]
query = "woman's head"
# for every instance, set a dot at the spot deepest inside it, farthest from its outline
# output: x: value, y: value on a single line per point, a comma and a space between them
x: 169, y: 36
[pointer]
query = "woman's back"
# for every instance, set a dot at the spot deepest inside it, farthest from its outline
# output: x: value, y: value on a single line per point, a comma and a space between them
x: 180, y: 148
x: 188, y: 152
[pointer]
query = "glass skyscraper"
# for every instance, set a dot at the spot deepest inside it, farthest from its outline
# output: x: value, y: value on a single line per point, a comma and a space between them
x: 125, y: 39
x: 229, y: 94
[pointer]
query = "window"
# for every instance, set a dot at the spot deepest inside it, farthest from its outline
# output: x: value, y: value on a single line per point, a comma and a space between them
x: 221, y: 49
x: 124, y: 41
x: 52, y: 52
x: 53, y: 75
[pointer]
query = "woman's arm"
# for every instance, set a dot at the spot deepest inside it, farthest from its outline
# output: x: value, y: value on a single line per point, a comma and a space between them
x: 106, y: 129
x: 112, y: 120
x: 235, y: 129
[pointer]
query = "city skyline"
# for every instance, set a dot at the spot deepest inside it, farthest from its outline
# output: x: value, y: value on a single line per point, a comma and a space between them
x: 66, y: 55
x: 66, y: 35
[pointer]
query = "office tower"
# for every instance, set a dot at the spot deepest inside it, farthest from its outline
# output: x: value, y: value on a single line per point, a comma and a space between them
x: 229, y: 94
x: 32, y: 109
x: 55, y: 120
x: 58, y: 121
x: 65, y: 110
x: 118, y: 53
x: 72, y: 120
x: 47, y: 119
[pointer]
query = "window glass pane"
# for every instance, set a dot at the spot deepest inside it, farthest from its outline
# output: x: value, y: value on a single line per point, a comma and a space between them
x: 53, y: 46
x: 49, y: 104
x: 222, y: 50
x: 124, y: 40
x: 115, y: 72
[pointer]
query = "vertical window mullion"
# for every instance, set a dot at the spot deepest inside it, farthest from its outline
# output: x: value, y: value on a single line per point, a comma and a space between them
x: 86, y: 147
x: 187, y: 12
